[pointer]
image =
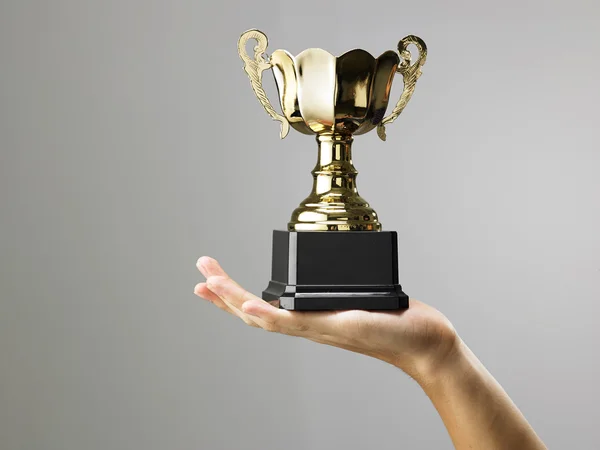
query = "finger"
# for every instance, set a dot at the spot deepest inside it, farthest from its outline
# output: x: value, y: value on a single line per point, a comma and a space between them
x: 209, y: 267
x: 234, y: 296
x: 233, y: 305
x: 202, y: 290
x: 320, y: 326
x: 274, y: 319
x: 267, y: 316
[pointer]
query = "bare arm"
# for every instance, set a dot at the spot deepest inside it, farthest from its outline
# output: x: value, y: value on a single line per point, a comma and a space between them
x: 476, y: 411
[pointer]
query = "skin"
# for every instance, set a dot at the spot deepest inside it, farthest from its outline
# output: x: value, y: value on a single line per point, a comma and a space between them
x: 420, y: 341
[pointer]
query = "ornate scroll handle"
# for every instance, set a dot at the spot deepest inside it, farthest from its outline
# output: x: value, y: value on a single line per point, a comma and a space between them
x: 410, y: 74
x: 254, y: 68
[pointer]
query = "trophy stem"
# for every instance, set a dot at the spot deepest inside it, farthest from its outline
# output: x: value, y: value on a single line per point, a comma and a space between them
x: 334, y: 203
x: 334, y: 166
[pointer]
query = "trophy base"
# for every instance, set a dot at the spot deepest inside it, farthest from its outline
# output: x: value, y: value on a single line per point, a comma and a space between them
x: 335, y: 270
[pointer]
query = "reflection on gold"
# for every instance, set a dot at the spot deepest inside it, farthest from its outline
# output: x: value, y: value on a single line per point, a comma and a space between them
x: 334, y: 195
x: 333, y: 98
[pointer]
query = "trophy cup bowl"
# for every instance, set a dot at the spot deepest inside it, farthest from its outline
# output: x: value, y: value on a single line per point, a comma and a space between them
x: 324, y: 95
x: 353, y: 265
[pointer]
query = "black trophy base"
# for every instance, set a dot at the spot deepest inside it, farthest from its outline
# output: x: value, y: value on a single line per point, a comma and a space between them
x: 335, y: 270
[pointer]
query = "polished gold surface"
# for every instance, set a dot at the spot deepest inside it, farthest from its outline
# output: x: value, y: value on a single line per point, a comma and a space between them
x: 334, y: 203
x: 334, y: 98
x: 410, y: 73
x: 254, y: 68
x: 322, y: 94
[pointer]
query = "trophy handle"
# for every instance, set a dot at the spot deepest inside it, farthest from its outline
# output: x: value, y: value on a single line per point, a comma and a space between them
x: 254, y: 68
x: 410, y: 74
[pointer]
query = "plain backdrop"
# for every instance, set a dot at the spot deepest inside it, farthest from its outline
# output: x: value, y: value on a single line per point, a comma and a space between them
x: 131, y: 144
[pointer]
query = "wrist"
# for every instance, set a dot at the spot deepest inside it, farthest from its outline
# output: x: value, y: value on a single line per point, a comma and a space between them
x: 447, y: 360
x: 458, y: 365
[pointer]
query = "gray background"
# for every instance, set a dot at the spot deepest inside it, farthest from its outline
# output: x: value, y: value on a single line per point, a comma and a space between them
x: 131, y: 144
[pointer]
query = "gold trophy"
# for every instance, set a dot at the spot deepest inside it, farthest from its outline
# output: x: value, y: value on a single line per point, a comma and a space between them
x: 334, y: 254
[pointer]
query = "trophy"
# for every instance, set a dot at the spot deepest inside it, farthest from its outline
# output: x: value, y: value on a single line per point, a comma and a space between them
x: 334, y: 254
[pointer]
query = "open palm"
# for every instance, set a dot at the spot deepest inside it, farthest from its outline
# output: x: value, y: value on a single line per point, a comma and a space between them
x: 410, y: 339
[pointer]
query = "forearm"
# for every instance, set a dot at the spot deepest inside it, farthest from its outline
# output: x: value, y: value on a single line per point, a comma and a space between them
x: 476, y: 411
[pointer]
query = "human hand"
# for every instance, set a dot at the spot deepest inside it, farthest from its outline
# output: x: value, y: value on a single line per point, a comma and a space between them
x: 475, y: 409
x: 417, y: 340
